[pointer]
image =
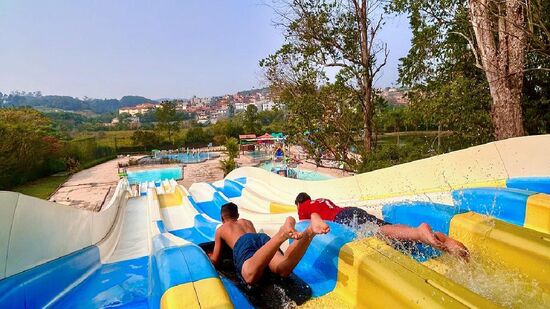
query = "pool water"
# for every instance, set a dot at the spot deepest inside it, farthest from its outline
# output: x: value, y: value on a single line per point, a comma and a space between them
x: 302, y: 174
x: 191, y: 157
x: 136, y: 177
x: 259, y: 154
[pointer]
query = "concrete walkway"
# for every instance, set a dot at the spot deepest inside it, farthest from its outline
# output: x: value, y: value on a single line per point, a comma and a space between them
x: 90, y: 188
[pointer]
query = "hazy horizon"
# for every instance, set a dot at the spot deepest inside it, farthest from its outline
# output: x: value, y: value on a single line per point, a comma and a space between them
x: 171, y: 49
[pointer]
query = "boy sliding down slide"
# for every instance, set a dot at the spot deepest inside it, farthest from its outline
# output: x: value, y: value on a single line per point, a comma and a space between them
x: 253, y: 252
x: 327, y: 210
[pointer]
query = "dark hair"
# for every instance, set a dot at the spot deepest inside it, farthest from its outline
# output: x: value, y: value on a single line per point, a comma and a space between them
x: 230, y: 211
x: 302, y: 197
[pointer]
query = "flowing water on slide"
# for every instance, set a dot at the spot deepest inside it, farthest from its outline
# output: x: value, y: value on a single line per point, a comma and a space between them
x: 484, y: 277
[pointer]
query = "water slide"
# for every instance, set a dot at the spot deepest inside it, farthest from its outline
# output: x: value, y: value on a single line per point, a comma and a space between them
x: 147, y: 249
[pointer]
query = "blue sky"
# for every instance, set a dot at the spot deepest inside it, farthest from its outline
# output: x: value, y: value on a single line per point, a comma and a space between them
x: 158, y: 49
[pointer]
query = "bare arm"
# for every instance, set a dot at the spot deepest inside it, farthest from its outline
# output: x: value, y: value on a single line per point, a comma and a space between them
x: 215, y: 256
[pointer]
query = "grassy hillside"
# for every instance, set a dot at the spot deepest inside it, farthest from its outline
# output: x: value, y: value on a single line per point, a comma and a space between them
x: 109, y: 138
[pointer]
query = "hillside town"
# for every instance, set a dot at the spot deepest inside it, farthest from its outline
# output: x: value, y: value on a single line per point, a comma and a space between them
x: 208, y: 110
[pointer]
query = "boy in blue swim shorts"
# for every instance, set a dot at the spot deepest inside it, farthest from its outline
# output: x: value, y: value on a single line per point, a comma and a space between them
x: 254, y: 252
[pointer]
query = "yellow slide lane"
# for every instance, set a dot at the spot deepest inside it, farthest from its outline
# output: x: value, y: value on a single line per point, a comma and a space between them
x: 371, y: 274
x: 505, y: 246
x: 205, y: 293
x: 537, y: 213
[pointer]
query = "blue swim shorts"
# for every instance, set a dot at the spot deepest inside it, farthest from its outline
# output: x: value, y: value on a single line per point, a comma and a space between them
x: 246, y: 246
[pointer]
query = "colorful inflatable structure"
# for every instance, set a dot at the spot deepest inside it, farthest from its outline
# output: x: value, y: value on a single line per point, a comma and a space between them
x: 149, y: 250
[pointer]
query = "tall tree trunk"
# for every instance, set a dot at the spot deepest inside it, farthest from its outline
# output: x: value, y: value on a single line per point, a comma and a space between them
x: 365, y: 82
x: 500, y: 37
x: 367, y: 132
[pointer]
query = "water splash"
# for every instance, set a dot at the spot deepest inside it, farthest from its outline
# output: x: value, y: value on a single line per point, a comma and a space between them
x: 484, y: 277
x: 365, y: 230
x: 496, y: 283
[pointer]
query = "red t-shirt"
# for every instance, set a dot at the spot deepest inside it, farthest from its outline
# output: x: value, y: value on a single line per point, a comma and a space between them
x: 325, y: 208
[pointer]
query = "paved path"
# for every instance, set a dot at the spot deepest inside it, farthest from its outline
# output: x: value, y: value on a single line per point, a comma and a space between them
x: 90, y: 188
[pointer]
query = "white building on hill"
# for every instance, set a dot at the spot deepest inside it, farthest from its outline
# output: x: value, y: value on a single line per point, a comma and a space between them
x: 138, y: 109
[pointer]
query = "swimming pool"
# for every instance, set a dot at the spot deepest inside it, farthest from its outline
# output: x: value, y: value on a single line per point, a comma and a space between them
x: 190, y: 157
x: 259, y: 155
x: 136, y: 177
x: 302, y: 174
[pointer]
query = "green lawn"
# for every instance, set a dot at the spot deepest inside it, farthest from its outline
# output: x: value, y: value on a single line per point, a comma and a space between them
x: 107, y: 138
x: 41, y: 188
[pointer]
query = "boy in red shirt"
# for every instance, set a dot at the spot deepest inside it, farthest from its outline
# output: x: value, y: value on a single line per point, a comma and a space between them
x: 327, y: 210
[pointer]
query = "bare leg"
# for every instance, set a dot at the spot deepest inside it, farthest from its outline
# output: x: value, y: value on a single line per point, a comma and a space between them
x: 283, y: 265
x: 423, y: 233
x: 453, y: 247
x: 254, y: 267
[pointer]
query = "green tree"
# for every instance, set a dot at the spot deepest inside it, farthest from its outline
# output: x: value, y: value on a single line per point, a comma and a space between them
x: 29, y: 147
x: 231, y: 110
x: 251, y: 121
x: 492, y: 42
x: 323, y: 35
x: 166, y: 117
x: 123, y: 121
x: 322, y: 120
x: 227, y: 165
x: 536, y: 99
x: 197, y: 136
x: 466, y: 116
x: 147, y: 139
x: 232, y: 148
x: 447, y: 89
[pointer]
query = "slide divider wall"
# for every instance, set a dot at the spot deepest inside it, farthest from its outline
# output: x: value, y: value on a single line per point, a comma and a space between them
x: 51, y: 258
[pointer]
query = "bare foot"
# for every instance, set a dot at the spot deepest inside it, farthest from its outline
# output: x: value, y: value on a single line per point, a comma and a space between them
x: 318, y: 225
x: 288, y: 229
x: 427, y: 236
x: 453, y: 247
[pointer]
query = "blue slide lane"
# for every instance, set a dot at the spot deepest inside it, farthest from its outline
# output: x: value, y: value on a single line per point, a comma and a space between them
x: 241, y: 180
x: 210, y: 208
x: 179, y: 264
x: 535, y: 184
x: 191, y: 234
x: 174, y: 265
x: 438, y: 216
x: 237, y: 298
x: 120, y: 284
x: 205, y: 226
x: 502, y: 203
x: 319, y: 266
x: 202, y: 231
x: 35, y: 287
x: 230, y: 189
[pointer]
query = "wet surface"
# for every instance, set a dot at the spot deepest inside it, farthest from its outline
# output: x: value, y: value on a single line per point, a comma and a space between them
x: 271, y: 292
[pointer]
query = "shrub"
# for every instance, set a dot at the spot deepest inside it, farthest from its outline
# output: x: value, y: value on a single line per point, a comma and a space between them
x: 227, y: 165
x: 388, y: 155
x: 232, y: 147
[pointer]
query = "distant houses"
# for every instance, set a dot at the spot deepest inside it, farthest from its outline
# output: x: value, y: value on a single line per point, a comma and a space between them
x: 395, y: 96
x: 207, y: 110
x: 139, y: 109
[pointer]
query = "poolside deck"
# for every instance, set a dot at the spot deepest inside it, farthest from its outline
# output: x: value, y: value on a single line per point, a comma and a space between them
x: 89, y: 188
